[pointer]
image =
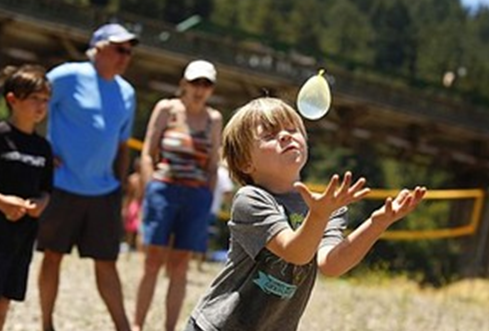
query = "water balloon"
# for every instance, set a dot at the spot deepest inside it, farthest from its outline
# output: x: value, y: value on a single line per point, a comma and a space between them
x: 314, y: 98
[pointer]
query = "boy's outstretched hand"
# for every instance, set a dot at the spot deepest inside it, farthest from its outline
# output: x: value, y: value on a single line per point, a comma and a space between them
x: 395, y: 209
x: 335, y: 195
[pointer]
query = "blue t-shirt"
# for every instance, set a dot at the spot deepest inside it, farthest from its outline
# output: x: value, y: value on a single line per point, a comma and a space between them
x: 89, y: 117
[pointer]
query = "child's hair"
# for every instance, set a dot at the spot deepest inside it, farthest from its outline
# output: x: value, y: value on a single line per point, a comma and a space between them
x: 240, y: 133
x: 24, y: 80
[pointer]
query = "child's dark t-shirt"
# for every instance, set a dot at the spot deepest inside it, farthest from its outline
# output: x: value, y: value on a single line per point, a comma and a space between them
x: 26, y: 170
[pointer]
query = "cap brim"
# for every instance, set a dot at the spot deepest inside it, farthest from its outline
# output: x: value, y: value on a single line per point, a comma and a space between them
x: 191, y: 78
x: 133, y: 39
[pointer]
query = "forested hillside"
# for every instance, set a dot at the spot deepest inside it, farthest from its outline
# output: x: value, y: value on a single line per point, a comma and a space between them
x: 425, y: 43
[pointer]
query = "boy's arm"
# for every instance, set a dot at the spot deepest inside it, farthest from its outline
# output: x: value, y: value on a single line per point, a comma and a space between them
x: 300, y: 246
x: 336, y: 260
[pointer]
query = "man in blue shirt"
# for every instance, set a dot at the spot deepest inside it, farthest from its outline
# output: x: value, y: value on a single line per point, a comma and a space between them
x: 90, y: 120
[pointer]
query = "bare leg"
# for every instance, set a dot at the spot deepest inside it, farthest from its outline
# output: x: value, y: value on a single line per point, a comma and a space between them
x: 200, y: 257
x: 177, y: 266
x: 48, y: 286
x: 4, y: 304
x: 155, y: 259
x: 110, y: 289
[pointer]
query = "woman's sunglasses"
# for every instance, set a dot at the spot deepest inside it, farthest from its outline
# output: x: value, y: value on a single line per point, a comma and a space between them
x: 201, y: 82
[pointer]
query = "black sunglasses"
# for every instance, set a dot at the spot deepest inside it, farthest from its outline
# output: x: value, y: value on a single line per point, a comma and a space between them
x: 123, y: 50
x: 201, y: 82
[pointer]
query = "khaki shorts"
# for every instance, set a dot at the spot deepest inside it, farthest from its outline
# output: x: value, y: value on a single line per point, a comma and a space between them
x: 92, y: 224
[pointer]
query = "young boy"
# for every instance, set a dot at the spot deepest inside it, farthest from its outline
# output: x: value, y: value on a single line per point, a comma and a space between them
x: 26, y: 168
x: 281, y: 232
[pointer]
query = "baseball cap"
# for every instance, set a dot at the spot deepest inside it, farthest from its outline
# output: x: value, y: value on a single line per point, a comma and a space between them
x: 113, y: 32
x: 200, y: 69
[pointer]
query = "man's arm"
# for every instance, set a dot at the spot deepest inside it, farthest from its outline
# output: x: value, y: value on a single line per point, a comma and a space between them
x: 121, y: 164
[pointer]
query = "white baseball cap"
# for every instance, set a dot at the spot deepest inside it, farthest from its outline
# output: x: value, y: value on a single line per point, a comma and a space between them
x: 200, y: 69
x: 113, y: 32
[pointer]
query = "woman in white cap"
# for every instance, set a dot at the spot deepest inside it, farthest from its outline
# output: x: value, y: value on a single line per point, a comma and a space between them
x: 178, y: 164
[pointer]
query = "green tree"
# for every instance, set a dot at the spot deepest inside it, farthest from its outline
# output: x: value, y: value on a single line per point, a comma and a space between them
x: 442, y: 44
x: 394, y: 45
x: 346, y: 32
x: 475, y: 58
x: 3, y: 109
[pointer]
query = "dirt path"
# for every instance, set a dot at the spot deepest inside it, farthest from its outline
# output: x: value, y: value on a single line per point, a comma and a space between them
x: 336, y: 304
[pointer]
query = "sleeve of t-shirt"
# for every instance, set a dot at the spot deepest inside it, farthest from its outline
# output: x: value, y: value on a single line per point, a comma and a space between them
x: 59, y: 78
x: 255, y: 219
x: 334, y: 232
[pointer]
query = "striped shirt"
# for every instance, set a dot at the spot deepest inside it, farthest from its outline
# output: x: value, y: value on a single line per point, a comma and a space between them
x: 184, y: 154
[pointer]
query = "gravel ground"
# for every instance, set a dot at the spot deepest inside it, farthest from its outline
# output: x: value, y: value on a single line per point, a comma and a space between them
x: 336, y: 305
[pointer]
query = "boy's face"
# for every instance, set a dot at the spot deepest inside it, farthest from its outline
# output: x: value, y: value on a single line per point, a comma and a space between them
x: 279, y: 153
x: 31, y: 109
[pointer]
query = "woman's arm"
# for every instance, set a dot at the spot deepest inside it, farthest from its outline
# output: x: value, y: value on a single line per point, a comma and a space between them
x: 154, y: 130
x: 216, y: 134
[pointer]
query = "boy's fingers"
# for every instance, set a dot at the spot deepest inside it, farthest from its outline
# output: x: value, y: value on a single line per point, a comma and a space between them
x: 361, y: 194
x: 419, y: 192
x: 333, y: 183
x: 30, y: 205
x: 407, y: 205
x: 358, y: 185
x: 388, y: 205
x: 345, y: 184
x: 303, y: 191
x: 401, y: 196
x: 413, y: 198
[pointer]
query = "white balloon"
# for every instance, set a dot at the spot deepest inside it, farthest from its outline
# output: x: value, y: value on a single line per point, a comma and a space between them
x: 314, y: 98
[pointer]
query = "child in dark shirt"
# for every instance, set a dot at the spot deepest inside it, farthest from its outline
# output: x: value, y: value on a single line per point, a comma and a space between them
x: 26, y: 167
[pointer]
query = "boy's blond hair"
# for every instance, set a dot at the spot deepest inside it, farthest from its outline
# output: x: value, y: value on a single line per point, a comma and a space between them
x: 240, y: 133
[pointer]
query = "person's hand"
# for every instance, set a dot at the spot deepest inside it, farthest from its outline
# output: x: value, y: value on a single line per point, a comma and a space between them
x: 38, y: 206
x: 14, y: 207
x: 395, y: 209
x: 335, y: 195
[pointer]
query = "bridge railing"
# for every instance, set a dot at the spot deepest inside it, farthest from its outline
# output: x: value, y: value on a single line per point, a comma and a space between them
x: 293, y: 68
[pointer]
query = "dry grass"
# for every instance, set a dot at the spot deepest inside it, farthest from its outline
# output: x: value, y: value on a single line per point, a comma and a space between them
x: 338, y: 304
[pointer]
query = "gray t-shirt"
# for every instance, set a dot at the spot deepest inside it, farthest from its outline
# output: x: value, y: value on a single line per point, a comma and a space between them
x: 257, y: 290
